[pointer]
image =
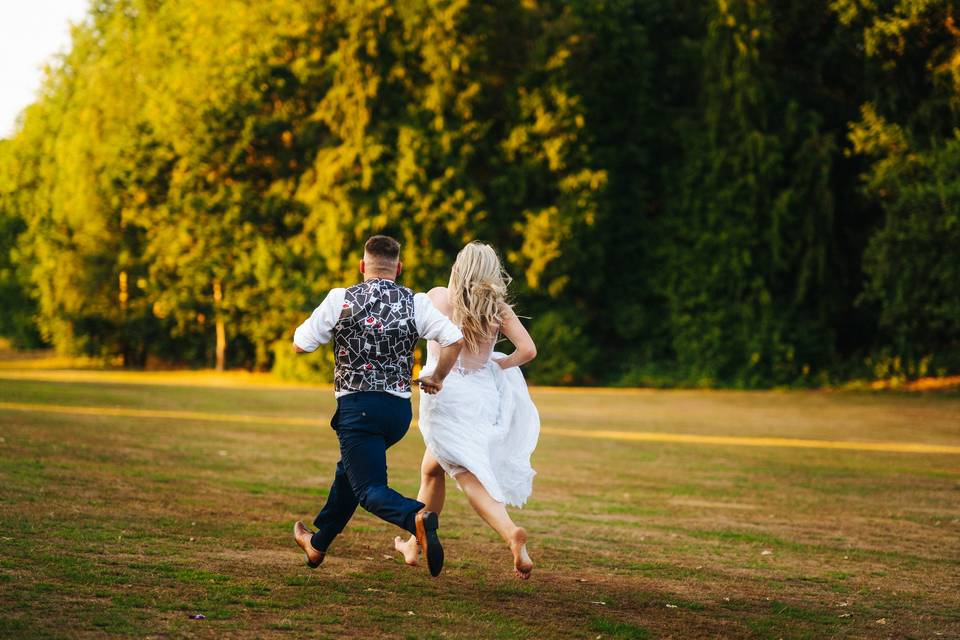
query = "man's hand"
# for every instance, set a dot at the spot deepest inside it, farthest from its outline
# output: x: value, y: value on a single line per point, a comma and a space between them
x: 429, y: 384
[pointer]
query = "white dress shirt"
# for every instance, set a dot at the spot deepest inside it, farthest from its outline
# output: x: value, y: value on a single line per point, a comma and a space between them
x: 318, y: 328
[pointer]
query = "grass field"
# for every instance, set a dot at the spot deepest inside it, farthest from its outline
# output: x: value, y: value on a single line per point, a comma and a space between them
x: 176, y: 502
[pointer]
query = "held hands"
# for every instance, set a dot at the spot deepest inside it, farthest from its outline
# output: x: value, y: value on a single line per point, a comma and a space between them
x: 433, y: 382
x: 429, y: 384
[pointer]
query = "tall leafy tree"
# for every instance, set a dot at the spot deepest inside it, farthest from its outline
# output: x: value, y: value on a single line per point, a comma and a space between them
x: 750, y: 223
x: 909, y: 129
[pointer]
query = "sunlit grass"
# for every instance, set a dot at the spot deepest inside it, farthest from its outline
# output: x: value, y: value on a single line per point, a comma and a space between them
x: 119, y: 525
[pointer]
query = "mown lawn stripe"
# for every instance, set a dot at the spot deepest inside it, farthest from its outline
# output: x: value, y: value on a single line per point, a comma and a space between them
x: 600, y: 434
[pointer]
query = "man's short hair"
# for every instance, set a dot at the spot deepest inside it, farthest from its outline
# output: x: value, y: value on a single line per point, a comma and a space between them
x: 383, y: 247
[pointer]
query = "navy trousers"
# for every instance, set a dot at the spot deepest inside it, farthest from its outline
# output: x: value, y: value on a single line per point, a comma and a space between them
x: 367, y: 424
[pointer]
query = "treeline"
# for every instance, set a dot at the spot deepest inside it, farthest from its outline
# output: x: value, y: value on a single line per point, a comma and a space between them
x: 688, y: 193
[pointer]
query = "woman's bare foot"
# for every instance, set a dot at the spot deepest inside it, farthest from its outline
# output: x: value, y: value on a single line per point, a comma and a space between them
x: 522, y: 564
x: 410, y: 549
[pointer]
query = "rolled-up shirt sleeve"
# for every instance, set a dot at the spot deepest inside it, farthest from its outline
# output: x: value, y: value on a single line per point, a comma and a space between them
x: 433, y: 325
x: 318, y: 328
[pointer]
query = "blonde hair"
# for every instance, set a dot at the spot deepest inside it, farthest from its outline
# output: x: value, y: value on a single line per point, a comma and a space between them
x: 477, y: 293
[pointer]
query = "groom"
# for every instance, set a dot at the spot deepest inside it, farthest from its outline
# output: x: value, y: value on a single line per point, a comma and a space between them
x: 374, y: 326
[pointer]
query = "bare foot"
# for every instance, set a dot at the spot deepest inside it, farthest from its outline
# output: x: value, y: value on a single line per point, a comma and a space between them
x: 522, y: 564
x: 410, y: 549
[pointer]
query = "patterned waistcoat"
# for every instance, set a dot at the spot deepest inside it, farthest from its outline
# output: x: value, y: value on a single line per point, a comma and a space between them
x: 374, y: 339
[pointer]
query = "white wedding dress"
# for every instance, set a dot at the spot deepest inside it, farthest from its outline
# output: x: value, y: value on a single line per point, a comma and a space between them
x: 483, y: 421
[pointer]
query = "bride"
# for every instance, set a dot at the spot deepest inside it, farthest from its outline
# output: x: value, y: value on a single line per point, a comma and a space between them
x: 482, y: 427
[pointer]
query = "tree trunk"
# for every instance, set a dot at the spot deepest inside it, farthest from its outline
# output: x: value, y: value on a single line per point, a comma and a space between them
x: 122, y: 297
x: 221, y: 330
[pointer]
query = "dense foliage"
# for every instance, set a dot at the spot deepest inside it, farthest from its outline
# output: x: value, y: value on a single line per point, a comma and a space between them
x: 694, y: 193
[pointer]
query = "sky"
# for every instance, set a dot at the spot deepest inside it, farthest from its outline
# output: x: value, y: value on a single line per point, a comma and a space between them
x: 31, y: 31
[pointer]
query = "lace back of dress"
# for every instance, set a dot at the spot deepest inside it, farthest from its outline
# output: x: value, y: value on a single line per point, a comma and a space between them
x: 468, y: 360
x: 471, y: 361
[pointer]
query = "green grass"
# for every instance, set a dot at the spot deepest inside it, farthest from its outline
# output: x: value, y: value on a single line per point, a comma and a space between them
x: 119, y: 526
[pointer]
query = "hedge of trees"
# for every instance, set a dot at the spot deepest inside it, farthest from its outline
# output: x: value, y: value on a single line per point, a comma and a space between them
x: 751, y: 193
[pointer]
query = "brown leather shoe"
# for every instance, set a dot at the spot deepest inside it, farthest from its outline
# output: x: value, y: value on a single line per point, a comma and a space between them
x: 302, y: 535
x: 427, y: 525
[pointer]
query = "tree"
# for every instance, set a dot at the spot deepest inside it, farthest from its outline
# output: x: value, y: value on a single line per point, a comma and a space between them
x: 908, y: 130
x: 750, y: 225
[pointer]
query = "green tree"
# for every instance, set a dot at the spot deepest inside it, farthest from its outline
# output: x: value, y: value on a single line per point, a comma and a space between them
x: 909, y: 130
x: 76, y: 250
x: 750, y: 226
x: 17, y: 315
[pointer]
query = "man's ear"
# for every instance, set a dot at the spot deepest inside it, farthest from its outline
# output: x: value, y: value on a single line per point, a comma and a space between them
x: 399, y: 268
x: 363, y: 267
